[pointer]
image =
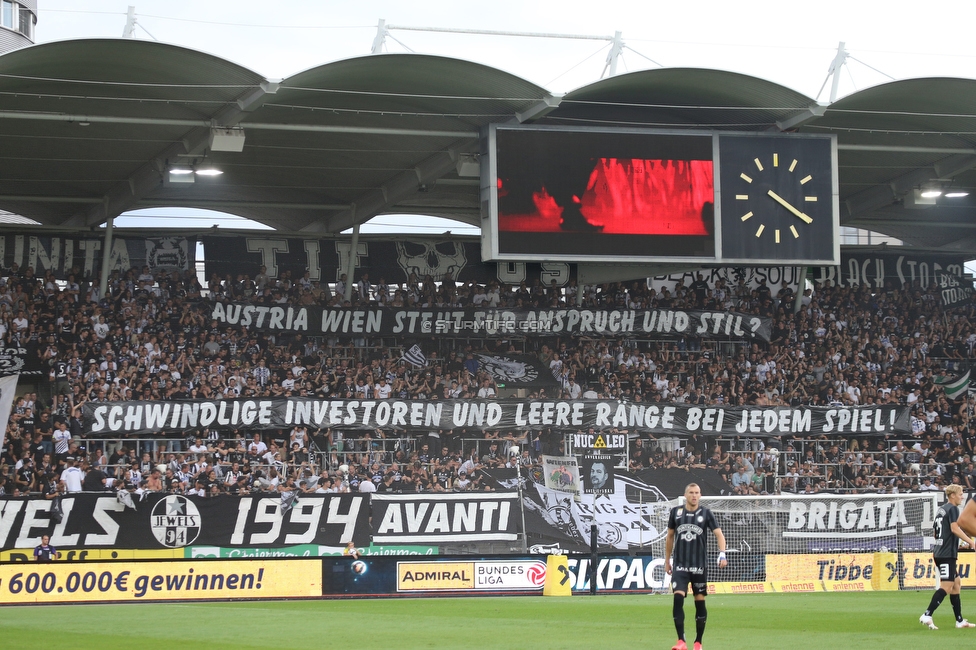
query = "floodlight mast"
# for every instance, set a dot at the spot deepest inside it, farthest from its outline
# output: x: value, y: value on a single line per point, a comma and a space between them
x: 380, y: 39
x: 613, y: 55
x: 835, y: 67
x: 130, y: 23
x: 833, y: 72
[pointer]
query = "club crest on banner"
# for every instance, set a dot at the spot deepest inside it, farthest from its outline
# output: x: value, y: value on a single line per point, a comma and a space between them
x: 175, y: 521
x: 167, y: 253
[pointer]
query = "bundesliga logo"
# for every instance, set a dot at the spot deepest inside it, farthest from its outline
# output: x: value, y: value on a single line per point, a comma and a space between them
x: 175, y: 521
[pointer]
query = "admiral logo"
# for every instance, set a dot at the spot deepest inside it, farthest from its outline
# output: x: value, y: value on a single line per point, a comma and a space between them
x: 175, y: 521
x: 435, y: 576
x: 418, y: 576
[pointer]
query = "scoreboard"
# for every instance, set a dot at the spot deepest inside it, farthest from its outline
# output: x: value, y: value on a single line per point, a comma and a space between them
x: 653, y: 196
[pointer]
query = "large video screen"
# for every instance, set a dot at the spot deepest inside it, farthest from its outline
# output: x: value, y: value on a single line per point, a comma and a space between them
x: 603, y: 194
x: 645, y: 196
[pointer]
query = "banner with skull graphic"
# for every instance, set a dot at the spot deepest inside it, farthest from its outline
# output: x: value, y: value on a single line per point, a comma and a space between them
x: 384, y: 259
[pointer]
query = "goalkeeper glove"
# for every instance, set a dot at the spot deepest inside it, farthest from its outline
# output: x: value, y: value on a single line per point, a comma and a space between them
x: 721, y: 558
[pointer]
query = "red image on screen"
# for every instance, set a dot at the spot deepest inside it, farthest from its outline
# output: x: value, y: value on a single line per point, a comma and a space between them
x: 622, y: 196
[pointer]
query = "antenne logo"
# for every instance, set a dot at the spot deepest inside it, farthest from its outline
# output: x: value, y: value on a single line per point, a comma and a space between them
x: 175, y: 521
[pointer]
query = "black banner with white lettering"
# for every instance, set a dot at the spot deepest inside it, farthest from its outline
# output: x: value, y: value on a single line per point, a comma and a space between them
x: 485, y: 323
x: 890, y: 268
x: 174, y: 521
x: 110, y: 419
x: 444, y: 518
x: 953, y: 290
x: 83, y: 256
x: 382, y: 258
x: 19, y: 361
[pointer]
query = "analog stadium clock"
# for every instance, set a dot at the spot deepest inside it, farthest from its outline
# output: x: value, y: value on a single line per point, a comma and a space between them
x: 778, y: 198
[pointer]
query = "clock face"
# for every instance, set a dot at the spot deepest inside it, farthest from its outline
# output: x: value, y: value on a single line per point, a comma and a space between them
x: 777, y: 198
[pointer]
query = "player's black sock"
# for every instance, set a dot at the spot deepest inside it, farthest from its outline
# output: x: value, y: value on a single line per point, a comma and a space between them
x: 956, y: 606
x: 679, y: 615
x: 701, y: 614
x: 937, y: 599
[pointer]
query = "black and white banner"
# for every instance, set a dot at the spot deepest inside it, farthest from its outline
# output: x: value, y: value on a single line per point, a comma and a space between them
x: 631, y: 514
x: 848, y: 523
x: 173, y: 521
x: 858, y: 266
x: 61, y: 255
x: 470, y: 322
x: 516, y: 370
x: 382, y: 258
x: 109, y: 419
x: 444, y: 518
x: 19, y: 361
x: 880, y: 269
x: 953, y: 289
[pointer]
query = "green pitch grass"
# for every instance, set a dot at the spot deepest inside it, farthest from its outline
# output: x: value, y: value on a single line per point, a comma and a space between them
x: 887, y: 621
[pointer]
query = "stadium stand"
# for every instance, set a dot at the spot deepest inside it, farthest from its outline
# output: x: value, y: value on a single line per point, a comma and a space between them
x: 149, y: 338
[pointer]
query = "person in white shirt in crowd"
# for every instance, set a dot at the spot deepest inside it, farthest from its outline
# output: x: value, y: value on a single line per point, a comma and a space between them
x: 71, y: 475
x: 61, y: 438
x: 383, y: 389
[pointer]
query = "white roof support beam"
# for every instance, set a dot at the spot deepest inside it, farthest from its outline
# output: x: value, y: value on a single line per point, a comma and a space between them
x: 539, y: 109
x: 883, y: 195
x: 405, y: 184
x: 950, y: 167
x: 146, y: 178
x: 807, y: 114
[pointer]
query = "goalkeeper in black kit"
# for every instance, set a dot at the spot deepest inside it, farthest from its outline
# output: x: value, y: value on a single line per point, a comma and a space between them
x: 688, y: 527
x: 949, y: 533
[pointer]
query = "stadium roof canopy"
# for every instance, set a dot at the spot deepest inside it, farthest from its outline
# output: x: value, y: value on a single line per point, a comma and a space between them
x: 88, y: 129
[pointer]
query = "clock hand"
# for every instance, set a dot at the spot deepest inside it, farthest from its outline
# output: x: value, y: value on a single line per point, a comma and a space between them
x: 776, y: 197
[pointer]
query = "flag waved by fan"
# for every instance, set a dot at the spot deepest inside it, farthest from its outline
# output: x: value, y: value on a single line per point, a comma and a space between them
x: 415, y: 356
x: 955, y: 387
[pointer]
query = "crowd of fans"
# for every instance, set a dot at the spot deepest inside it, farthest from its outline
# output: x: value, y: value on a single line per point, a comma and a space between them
x: 150, y: 338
